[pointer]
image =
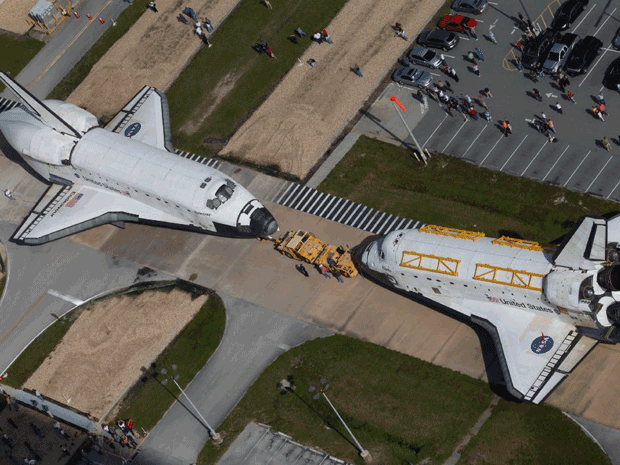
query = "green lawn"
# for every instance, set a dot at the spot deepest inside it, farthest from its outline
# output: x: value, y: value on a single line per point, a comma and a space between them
x: 148, y: 399
x: 16, y: 51
x: 400, y: 409
x: 79, y: 72
x: 450, y: 192
x: 233, y: 64
x: 527, y: 434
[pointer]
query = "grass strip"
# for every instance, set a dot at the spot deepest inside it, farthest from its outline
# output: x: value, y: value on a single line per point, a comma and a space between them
x: 39, y: 349
x: 79, y: 72
x: 522, y: 434
x: 231, y: 80
x: 399, y: 408
x: 16, y: 51
x: 148, y: 400
x: 450, y: 192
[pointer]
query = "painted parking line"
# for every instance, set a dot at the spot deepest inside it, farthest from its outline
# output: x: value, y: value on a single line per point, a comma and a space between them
x: 604, y: 22
x: 455, y: 134
x: 599, y: 173
x: 613, y: 190
x: 604, y: 53
x: 535, y: 156
x: 515, y: 151
x: 582, y: 19
x: 492, y: 148
x: 556, y: 162
x: 578, y: 166
x: 436, y: 129
x: 470, y: 145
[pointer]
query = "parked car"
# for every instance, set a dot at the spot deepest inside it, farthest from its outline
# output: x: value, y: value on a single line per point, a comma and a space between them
x: 536, y: 50
x: 412, y: 77
x: 559, y: 53
x: 615, y: 42
x: 457, y: 23
x: 567, y: 13
x: 472, y: 7
x: 426, y: 57
x: 611, y: 80
x: 438, y: 38
x: 583, y: 55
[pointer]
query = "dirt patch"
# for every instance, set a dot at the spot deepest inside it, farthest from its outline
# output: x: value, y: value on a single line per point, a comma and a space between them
x: 153, y: 52
x: 14, y: 13
x: 311, y: 106
x: 101, y: 355
x: 220, y: 91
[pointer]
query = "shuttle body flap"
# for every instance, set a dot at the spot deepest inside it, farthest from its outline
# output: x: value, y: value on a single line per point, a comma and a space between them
x: 66, y: 210
x: 146, y: 119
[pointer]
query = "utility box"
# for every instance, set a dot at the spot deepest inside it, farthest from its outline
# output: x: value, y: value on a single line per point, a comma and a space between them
x: 46, y: 16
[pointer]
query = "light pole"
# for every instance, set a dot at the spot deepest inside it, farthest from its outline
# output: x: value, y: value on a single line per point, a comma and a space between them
x: 215, y: 436
x: 396, y: 102
x: 363, y: 452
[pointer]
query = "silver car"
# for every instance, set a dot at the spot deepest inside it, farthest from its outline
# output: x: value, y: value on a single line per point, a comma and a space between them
x: 426, y: 57
x: 472, y: 7
x: 555, y: 59
x: 412, y: 77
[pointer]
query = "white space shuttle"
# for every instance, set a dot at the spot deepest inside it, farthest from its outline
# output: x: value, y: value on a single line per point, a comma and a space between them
x: 127, y: 171
x: 545, y: 308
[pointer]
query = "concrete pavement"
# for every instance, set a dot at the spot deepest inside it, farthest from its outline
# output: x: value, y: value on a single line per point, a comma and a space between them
x: 254, y: 337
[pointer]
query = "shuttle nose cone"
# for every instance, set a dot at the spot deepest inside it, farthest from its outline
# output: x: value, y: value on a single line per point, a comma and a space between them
x: 262, y: 223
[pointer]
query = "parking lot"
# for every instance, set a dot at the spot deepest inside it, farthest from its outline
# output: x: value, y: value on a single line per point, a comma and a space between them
x: 578, y: 160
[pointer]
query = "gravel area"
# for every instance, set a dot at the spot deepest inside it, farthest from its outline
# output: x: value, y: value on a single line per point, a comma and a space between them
x: 153, y: 52
x: 14, y: 13
x: 103, y: 351
x: 311, y: 106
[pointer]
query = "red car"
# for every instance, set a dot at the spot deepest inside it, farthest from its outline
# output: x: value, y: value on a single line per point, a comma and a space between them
x: 457, y: 23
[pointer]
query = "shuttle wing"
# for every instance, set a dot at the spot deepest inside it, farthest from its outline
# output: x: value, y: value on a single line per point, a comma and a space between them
x: 535, y: 351
x: 146, y: 119
x: 65, y: 210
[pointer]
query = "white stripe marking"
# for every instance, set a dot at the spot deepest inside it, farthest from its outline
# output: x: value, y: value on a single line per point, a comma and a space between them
x: 599, y: 173
x: 535, y: 156
x: 556, y: 162
x: 68, y: 298
x: 515, y: 151
x: 571, y: 176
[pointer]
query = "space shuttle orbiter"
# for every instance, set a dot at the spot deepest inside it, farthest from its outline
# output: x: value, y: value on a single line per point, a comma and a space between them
x: 125, y: 172
x: 545, y: 308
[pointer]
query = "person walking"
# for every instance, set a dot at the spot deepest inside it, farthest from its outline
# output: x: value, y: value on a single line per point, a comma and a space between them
x: 487, y: 93
x: 563, y: 83
x: 452, y: 73
x: 558, y: 107
x: 267, y: 3
x: 536, y: 94
x: 302, y: 270
x: 476, y: 69
x: 571, y: 97
x: 597, y: 113
x: 358, y: 71
x: 507, y: 128
x: 519, y: 64
x: 9, y: 194
x: 601, y: 98
x: 601, y: 108
x: 471, y: 57
x: 491, y: 37
x: 152, y: 6
x: 551, y: 125
x: 606, y: 143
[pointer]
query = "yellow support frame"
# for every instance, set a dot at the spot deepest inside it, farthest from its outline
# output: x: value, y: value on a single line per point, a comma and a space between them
x: 451, y: 232
x: 515, y: 278
x: 443, y: 265
x: 521, y: 243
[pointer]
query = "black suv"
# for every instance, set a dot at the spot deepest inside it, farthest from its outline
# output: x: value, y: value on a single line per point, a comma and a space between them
x: 583, y: 55
x: 567, y: 13
x: 439, y: 38
x: 536, y: 50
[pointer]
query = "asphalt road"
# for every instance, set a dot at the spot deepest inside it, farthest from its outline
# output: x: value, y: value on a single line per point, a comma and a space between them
x: 577, y: 161
x: 72, y: 40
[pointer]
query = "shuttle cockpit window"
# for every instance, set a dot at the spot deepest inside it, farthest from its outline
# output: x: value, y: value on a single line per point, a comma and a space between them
x: 223, y: 194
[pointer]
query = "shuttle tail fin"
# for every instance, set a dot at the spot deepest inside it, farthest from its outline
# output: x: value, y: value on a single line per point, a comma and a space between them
x: 38, y: 108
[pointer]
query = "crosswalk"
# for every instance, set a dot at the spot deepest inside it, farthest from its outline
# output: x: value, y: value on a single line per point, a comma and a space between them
x: 6, y: 104
x: 210, y: 162
x: 356, y: 215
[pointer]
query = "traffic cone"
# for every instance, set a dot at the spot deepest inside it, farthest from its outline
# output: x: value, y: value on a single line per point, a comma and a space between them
x: 101, y: 20
x: 77, y: 15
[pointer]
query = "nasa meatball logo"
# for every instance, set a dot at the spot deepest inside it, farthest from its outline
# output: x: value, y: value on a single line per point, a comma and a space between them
x: 132, y: 129
x: 542, y: 344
